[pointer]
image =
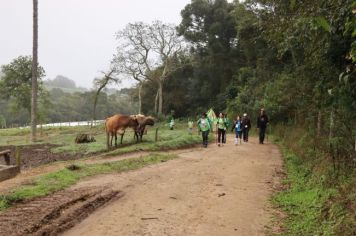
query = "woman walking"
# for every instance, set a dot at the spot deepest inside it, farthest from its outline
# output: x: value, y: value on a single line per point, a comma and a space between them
x: 238, y: 129
x: 222, y: 125
x: 204, y: 126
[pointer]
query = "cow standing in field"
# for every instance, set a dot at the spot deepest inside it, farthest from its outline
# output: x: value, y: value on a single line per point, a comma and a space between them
x: 118, y: 124
x: 142, y: 122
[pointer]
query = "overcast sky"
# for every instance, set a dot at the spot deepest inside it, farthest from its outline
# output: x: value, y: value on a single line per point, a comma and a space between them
x: 76, y: 37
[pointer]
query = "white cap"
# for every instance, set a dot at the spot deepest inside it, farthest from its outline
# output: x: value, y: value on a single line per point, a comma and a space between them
x: 245, y: 114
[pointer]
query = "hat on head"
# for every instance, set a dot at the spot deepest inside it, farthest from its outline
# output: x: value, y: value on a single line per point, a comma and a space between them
x: 245, y: 114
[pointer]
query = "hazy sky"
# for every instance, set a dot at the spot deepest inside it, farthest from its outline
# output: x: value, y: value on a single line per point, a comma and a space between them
x: 76, y: 37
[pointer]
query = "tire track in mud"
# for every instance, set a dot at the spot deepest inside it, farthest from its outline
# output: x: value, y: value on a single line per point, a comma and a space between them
x: 55, y: 213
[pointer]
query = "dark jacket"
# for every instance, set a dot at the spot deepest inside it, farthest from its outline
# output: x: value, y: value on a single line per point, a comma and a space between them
x: 246, y: 123
x: 262, y: 121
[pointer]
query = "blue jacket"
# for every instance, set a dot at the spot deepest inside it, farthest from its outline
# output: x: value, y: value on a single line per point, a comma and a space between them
x: 237, y: 126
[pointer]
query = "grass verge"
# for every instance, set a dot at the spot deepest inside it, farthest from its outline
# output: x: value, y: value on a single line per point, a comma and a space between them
x: 301, y: 200
x: 64, y: 178
x: 169, y: 141
x: 312, y: 207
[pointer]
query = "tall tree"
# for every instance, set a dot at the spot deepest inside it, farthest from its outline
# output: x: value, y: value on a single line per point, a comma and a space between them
x: 100, y: 84
x: 34, y: 72
x: 210, y: 27
x: 16, y: 82
x: 152, y: 48
x: 129, y: 63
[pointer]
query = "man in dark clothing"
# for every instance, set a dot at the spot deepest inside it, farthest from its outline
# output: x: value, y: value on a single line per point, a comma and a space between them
x: 246, y: 125
x: 262, y: 122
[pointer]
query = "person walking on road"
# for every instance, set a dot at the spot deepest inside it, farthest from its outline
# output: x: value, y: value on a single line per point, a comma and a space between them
x: 238, y: 129
x: 222, y: 125
x: 262, y: 121
x: 204, y: 125
x: 246, y: 126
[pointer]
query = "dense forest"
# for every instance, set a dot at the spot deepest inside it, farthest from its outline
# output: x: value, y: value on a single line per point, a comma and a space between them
x: 297, y: 60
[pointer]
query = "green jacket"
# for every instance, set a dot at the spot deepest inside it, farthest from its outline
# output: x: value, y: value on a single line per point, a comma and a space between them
x: 204, y: 124
x: 222, y: 123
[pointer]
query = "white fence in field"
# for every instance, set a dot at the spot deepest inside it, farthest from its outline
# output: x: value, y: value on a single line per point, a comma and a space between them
x: 68, y: 124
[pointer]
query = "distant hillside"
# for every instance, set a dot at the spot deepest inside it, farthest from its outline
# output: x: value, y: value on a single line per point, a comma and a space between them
x: 63, y: 83
x: 67, y: 90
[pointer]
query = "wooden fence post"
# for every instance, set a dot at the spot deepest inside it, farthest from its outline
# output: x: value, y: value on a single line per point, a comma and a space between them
x: 156, y: 135
x: 18, y: 156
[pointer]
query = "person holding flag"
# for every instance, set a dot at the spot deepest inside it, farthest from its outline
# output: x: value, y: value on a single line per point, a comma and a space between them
x: 204, y: 125
x: 212, y: 117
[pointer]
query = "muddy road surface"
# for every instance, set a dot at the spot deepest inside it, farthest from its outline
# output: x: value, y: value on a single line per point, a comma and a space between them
x: 213, y: 191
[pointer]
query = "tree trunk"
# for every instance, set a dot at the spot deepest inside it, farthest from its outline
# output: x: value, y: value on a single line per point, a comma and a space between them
x: 331, y: 128
x: 139, y: 98
x: 156, y: 102
x: 95, y: 103
x: 160, y: 97
x: 34, y: 71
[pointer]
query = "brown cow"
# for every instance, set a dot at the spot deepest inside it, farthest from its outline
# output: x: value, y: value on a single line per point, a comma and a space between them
x: 142, y: 122
x: 118, y: 123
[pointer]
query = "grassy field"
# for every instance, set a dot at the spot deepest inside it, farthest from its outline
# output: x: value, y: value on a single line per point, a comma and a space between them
x: 63, y: 138
x: 64, y: 178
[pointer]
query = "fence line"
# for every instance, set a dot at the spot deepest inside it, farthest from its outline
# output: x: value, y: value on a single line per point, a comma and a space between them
x: 67, y: 124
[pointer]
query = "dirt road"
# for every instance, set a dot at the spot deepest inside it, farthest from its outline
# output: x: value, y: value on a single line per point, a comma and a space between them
x: 213, y: 191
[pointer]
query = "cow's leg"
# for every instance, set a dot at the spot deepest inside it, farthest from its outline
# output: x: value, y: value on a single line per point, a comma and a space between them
x: 122, y: 136
x: 111, y: 138
x: 141, y: 134
x: 137, y: 133
x: 115, y: 139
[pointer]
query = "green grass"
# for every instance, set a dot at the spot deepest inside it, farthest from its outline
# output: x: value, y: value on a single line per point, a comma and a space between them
x: 64, y: 178
x: 320, y: 195
x: 167, y: 139
x: 63, y: 138
x: 303, y: 200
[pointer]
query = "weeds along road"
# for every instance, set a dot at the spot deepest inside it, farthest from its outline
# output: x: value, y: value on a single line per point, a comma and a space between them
x: 213, y: 191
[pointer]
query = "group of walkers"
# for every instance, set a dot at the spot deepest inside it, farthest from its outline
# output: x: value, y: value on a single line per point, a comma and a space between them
x: 241, y: 126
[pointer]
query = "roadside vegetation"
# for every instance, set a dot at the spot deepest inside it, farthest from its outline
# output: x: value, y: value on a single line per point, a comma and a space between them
x: 318, y: 196
x: 55, y: 181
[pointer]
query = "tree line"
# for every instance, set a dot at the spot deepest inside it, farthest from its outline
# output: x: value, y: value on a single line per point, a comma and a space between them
x: 54, y: 105
x: 295, y: 58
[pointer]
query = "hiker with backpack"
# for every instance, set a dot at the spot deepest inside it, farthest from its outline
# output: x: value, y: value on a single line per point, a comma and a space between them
x: 238, y: 129
x: 222, y: 124
x: 204, y: 125
x: 262, y: 121
x: 246, y: 126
